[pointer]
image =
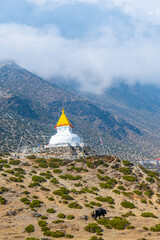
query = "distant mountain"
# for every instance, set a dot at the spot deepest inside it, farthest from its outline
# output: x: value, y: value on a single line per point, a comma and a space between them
x: 31, y: 106
x: 137, y: 104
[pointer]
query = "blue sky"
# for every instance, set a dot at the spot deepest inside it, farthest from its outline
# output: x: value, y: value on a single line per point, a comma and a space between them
x: 94, y: 42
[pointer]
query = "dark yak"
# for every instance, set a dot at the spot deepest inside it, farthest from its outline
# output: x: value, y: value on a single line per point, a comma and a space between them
x: 98, y: 213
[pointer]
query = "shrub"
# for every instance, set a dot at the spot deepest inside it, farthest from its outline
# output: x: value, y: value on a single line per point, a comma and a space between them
x: 25, y: 201
x: 58, y: 221
x: 61, y: 191
x: 95, y: 204
x: 100, y: 171
x: 156, y: 228
x: 32, y: 238
x: 2, y: 200
x: 95, y: 189
x: 75, y: 205
x: 3, y: 189
x: 6, y: 165
x: 35, y: 203
x: 57, y: 234
x: 125, y: 171
x: 130, y: 227
x: 121, y: 188
x: 29, y: 228
x: 93, y: 228
x: 150, y: 179
x: 54, y: 180
x: 127, y: 194
x: 14, y: 179
x: 61, y: 215
x: 108, y: 199
x: 145, y: 228
x: 41, y: 160
x: 149, y: 193
x: 70, y: 177
x: 51, y: 199
x: 45, y: 189
x: 137, y: 192
x: 34, y: 184
x: 96, y: 238
x: 42, y: 223
x: 69, y: 236
x: 70, y: 217
x: 106, y: 185
x: 129, y: 178
x: 127, y: 204
x: 67, y: 197
x: 148, y: 214
x: 57, y: 171
x: 116, y: 191
x: 44, y: 217
x: 127, y: 163
x: 43, y: 165
x: 143, y: 201
x: 119, y: 223
x: 128, y: 214
x: 50, y: 210
x: 3, y: 161
x: 36, y: 178
x: 14, y: 162
x: 53, y: 165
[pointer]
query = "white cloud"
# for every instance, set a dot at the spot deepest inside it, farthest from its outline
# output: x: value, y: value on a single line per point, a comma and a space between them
x: 95, y: 63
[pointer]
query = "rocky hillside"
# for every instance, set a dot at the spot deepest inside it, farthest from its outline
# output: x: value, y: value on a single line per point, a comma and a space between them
x: 30, y: 107
x: 53, y: 198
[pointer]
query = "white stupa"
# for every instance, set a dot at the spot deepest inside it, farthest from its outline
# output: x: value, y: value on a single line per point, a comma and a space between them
x: 64, y: 136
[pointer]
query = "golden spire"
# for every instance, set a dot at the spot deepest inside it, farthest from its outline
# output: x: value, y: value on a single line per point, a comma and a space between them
x: 63, y: 120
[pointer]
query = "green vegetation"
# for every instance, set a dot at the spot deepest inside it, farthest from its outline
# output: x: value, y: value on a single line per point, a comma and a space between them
x: 108, y: 199
x: 137, y: 192
x: 75, y: 205
x: 70, y: 177
x: 58, y: 221
x: 29, y: 228
x: 127, y: 204
x: 156, y: 228
x: 128, y: 214
x: 69, y: 236
x: 61, y: 215
x: 143, y: 201
x: 2, y: 200
x: 130, y: 178
x: 148, y: 214
x: 150, y: 179
x: 121, y: 188
x: 118, y: 223
x: 14, y: 162
x: 93, y: 228
x: 35, y: 203
x: 57, y: 171
x: 34, y: 184
x: 116, y: 191
x: 50, y: 210
x: 70, y: 217
x: 40, y: 179
x: 127, y: 163
x: 125, y: 171
x: 54, y: 180
x: 32, y: 238
x: 25, y: 201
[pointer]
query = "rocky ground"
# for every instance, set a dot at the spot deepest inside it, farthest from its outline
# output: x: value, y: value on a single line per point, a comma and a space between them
x: 29, y: 197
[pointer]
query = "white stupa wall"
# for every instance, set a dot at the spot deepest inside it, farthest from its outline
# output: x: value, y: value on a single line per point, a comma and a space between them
x: 65, y: 137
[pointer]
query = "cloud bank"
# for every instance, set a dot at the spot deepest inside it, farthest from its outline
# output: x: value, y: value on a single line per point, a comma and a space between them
x: 96, y: 63
x: 125, y: 45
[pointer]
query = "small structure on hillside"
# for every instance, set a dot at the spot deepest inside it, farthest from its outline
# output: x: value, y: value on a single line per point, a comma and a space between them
x: 64, y: 136
x: 65, y: 142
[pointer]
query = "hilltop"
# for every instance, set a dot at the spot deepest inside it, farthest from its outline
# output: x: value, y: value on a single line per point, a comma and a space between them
x: 49, y: 198
x: 31, y: 106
